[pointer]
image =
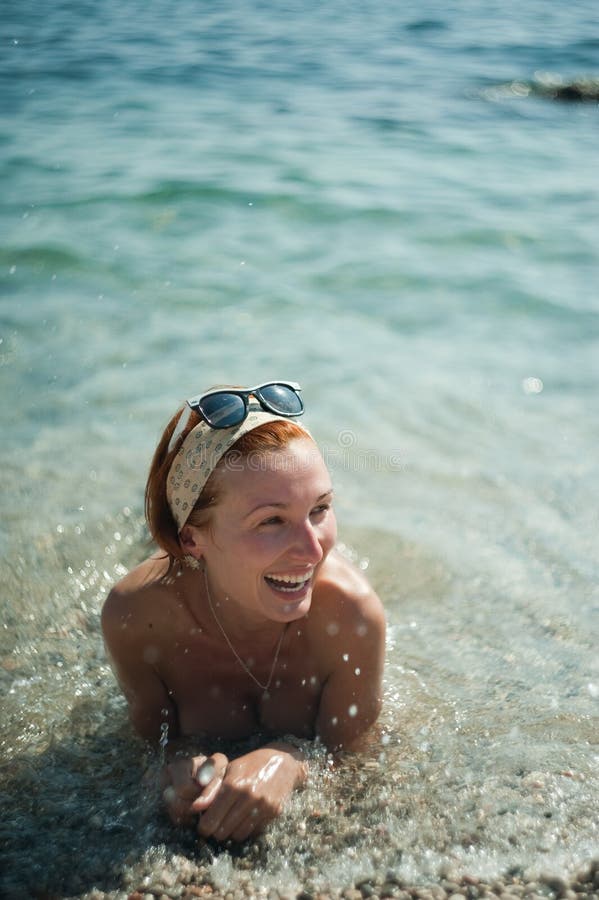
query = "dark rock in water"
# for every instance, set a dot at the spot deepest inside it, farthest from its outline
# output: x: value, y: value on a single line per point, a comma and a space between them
x: 582, y: 91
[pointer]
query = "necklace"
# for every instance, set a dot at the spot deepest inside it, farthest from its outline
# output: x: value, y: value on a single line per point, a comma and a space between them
x: 263, y: 687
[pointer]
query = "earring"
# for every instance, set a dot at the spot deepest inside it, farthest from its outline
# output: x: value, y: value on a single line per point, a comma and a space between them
x: 191, y: 562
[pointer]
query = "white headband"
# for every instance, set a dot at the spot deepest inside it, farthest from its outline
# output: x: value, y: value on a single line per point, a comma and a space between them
x: 199, y: 455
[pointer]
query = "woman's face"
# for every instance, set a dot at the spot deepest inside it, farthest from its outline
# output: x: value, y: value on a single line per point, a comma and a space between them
x: 271, y: 528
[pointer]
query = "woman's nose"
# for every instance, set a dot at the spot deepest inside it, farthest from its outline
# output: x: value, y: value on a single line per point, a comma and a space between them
x: 306, y: 545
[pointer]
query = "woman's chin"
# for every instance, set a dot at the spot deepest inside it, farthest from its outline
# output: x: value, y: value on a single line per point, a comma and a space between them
x: 291, y: 605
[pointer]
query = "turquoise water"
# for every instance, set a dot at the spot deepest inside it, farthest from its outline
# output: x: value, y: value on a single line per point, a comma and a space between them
x: 360, y: 198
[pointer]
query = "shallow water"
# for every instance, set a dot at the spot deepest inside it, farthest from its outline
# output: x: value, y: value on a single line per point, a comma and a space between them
x: 359, y: 199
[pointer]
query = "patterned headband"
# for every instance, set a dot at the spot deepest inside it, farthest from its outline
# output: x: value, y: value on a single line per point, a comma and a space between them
x: 199, y: 455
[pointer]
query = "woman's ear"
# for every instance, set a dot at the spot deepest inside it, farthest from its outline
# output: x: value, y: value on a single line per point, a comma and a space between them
x: 192, y: 541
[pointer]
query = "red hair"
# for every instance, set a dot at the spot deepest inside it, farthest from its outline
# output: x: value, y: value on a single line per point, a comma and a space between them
x: 270, y: 436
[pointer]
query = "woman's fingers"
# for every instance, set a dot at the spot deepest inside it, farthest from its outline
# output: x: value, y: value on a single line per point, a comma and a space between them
x: 187, y: 780
x: 214, y: 816
x: 180, y: 775
x: 238, y: 823
x: 253, y: 792
x: 250, y: 826
x: 209, y: 775
x: 178, y: 808
x: 236, y: 815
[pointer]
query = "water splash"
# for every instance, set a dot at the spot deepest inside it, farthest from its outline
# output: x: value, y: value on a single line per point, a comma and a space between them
x: 163, y: 742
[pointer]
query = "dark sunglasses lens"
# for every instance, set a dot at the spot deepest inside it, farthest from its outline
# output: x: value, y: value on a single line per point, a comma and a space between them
x: 223, y: 410
x: 282, y: 399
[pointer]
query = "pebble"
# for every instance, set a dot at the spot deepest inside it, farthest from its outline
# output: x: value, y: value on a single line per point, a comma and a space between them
x: 556, y: 884
x: 183, y: 879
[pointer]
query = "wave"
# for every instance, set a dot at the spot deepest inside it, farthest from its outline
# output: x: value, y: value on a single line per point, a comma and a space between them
x: 40, y: 256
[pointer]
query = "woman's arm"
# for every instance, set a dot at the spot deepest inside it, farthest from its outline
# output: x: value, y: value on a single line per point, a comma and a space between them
x: 352, y: 694
x: 150, y: 706
x: 185, y: 779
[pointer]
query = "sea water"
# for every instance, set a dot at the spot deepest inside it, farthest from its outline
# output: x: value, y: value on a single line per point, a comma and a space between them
x: 376, y: 200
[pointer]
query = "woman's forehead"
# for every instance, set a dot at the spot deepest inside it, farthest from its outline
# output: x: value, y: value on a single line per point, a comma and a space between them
x: 292, y: 470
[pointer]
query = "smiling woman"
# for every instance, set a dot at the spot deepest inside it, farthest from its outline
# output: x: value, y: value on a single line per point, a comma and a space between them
x: 246, y: 621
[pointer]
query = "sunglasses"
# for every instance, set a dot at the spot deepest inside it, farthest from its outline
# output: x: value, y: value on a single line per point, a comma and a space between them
x: 227, y: 407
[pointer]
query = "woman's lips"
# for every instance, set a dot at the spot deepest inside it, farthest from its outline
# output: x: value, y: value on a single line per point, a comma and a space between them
x: 289, y: 583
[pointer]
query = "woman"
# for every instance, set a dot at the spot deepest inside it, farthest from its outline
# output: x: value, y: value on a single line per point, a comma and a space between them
x: 246, y: 621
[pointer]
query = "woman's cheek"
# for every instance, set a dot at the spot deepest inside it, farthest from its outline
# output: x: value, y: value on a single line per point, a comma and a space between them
x: 330, y: 536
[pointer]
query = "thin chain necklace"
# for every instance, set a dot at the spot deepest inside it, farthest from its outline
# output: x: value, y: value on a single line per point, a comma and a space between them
x: 263, y: 687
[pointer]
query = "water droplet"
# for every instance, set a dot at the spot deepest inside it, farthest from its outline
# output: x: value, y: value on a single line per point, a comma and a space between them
x: 357, y: 671
x: 334, y: 720
x: 205, y: 773
x: 345, y: 657
x: 332, y: 629
x: 532, y: 385
x: 163, y: 740
x: 353, y: 711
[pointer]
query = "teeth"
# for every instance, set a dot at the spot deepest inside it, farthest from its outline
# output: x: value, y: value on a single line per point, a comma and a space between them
x: 291, y: 579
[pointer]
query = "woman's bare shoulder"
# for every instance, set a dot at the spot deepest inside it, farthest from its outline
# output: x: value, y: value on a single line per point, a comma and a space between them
x: 346, y: 620
x: 140, y: 594
x: 344, y: 594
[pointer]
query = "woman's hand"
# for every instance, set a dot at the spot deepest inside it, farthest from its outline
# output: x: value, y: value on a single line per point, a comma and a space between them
x: 190, y: 784
x: 252, y: 793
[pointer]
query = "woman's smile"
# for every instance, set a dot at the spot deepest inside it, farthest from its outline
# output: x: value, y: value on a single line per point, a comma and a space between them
x: 290, y: 584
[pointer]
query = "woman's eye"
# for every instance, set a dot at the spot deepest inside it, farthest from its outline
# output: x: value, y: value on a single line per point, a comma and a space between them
x: 273, y: 520
x: 319, y: 510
